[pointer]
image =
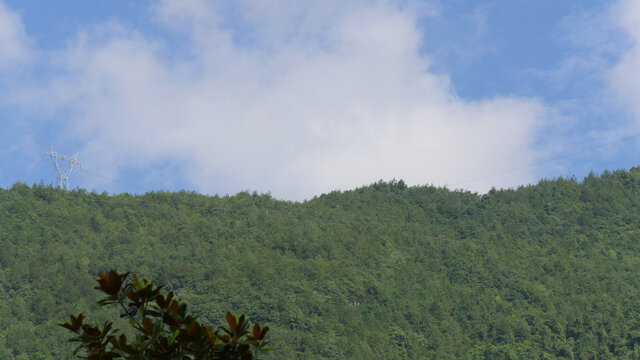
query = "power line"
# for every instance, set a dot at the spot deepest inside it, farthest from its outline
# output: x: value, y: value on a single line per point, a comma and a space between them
x: 116, y: 180
x: 33, y: 168
x: 564, y: 156
x: 599, y: 165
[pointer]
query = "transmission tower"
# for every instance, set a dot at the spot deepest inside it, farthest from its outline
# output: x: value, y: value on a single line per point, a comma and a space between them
x: 64, y: 165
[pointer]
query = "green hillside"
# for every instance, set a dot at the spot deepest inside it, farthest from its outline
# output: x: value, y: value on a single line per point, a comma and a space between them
x: 549, y: 271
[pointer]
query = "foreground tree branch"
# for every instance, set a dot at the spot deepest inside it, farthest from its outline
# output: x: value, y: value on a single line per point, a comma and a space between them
x: 163, y: 328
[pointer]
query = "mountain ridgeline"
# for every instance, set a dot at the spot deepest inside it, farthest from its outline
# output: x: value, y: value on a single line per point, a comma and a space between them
x: 386, y: 271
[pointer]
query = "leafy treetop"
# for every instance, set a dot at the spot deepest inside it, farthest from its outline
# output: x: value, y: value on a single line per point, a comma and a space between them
x: 163, y: 329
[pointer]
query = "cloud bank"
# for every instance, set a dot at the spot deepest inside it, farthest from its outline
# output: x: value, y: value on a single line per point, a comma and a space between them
x: 296, y: 100
x: 13, y: 39
x: 624, y: 76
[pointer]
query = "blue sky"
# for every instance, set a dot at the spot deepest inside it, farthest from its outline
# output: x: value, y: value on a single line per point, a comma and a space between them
x: 298, y: 99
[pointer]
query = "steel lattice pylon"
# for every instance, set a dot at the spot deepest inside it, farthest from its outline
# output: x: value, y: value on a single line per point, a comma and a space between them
x: 64, y: 165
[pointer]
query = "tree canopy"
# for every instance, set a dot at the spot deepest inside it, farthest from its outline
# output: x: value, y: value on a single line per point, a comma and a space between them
x: 386, y: 271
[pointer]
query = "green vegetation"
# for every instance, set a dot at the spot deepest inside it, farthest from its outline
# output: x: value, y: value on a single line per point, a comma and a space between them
x: 161, y: 328
x: 382, y: 272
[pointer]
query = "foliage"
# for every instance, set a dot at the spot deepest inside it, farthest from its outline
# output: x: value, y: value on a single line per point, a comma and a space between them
x: 386, y: 271
x: 164, y: 330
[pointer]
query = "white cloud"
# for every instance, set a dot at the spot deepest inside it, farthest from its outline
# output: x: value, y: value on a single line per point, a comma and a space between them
x: 624, y: 76
x: 292, y: 99
x: 14, y: 47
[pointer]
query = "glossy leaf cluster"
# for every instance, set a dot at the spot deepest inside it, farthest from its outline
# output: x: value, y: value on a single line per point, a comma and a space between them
x: 163, y: 328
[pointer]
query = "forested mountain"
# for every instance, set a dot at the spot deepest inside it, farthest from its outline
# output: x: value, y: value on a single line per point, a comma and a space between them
x: 548, y: 271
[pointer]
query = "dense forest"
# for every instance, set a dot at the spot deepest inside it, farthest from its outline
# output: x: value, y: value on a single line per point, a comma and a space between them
x: 386, y: 271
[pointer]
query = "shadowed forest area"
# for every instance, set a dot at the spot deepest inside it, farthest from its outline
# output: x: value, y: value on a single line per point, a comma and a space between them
x: 386, y: 271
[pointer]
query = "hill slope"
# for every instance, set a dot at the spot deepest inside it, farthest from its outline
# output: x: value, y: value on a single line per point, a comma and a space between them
x: 381, y: 272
